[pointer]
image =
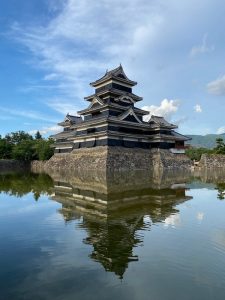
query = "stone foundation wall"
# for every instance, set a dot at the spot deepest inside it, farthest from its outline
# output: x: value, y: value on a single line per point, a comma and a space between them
x: 113, y: 158
x: 38, y: 166
x: 210, y: 161
x: 165, y: 160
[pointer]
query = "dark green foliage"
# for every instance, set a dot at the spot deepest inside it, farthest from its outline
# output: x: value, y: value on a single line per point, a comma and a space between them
x: 5, y: 149
x: 17, y: 137
x: 43, y: 149
x: 221, y: 191
x: 220, y: 146
x: 38, y: 136
x: 21, y: 146
x: 196, y: 153
x: 24, y: 150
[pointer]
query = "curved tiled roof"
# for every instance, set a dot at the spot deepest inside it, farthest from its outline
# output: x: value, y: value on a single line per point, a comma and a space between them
x: 118, y: 74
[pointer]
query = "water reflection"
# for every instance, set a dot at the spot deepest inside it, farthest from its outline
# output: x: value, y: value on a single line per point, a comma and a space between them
x: 144, y: 228
x: 214, y: 178
x: 20, y: 184
x: 116, y: 207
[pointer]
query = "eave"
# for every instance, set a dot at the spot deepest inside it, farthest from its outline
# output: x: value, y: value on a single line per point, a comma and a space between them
x: 114, y: 106
x: 116, y: 92
x: 112, y: 77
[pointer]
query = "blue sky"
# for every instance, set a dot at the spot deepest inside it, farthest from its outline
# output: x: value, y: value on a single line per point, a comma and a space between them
x: 51, y: 50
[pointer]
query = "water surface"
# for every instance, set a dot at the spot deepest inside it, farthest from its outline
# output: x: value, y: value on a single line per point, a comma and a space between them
x: 117, y: 236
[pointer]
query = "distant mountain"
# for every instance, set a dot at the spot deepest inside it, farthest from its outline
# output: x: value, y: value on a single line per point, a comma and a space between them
x: 206, y: 141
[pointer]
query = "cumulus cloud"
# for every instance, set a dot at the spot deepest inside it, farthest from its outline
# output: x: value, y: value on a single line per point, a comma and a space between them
x: 198, y: 108
x: 77, y: 44
x: 203, y: 48
x: 217, y: 87
x: 221, y: 130
x: 84, y: 37
x: 167, y: 109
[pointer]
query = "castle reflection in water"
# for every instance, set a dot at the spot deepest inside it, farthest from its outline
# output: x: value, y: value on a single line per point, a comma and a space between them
x: 116, y: 207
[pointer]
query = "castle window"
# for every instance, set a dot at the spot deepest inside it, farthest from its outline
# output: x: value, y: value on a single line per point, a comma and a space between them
x: 90, y: 130
x: 96, y: 114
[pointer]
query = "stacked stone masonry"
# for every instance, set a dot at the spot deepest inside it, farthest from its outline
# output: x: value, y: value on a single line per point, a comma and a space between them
x: 114, y: 158
x: 212, y: 161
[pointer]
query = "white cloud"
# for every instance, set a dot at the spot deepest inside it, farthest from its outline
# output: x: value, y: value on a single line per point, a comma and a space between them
x: 167, y: 109
x: 221, y: 130
x: 62, y: 106
x: 78, y: 44
x: 217, y: 87
x: 35, y: 115
x: 51, y: 76
x: 203, y: 48
x: 46, y: 130
x: 198, y: 108
x: 86, y: 37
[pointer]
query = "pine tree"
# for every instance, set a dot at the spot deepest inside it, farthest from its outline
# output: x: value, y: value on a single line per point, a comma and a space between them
x: 38, y: 135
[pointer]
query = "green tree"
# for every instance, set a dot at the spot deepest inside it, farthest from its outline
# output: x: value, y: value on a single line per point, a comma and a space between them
x: 21, y: 146
x: 43, y: 149
x: 17, y: 137
x: 220, y: 146
x: 5, y: 149
x: 24, y: 150
x: 38, y: 135
x: 196, y: 153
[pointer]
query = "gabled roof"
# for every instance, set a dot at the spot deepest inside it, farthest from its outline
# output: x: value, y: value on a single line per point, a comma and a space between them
x: 117, y: 74
x: 128, y: 112
x: 69, y: 119
x: 74, y: 119
x: 160, y: 121
x: 96, y: 103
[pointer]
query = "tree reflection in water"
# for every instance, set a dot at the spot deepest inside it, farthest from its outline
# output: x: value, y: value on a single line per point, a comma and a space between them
x: 20, y: 184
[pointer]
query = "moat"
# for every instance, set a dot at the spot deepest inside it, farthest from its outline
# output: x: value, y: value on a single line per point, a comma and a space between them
x: 112, y: 235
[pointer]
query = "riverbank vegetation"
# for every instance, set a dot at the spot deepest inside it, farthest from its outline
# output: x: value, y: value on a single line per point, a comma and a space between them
x: 196, y: 153
x: 23, y: 146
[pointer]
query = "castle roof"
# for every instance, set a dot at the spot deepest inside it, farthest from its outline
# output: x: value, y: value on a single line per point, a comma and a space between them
x: 181, y: 137
x: 160, y: 121
x: 69, y: 119
x: 116, y: 92
x: 116, y: 74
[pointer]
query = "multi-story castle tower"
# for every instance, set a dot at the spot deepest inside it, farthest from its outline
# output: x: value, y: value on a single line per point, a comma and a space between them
x: 111, y: 119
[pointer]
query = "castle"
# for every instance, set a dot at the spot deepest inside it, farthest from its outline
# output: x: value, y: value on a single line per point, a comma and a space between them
x: 113, y: 133
x: 112, y: 119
